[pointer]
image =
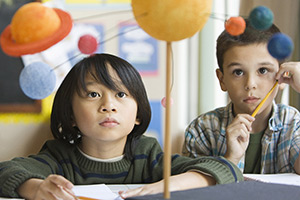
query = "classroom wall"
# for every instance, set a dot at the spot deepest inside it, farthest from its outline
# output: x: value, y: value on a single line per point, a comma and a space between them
x: 22, y: 134
x: 22, y: 139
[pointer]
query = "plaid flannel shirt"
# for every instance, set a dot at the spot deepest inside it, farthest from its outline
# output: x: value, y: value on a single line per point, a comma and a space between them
x: 205, y: 136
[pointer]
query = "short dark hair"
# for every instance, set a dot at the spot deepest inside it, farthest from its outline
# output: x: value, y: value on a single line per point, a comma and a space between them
x: 62, y: 120
x: 251, y: 35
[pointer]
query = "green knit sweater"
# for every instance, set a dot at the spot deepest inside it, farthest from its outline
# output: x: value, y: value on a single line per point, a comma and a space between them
x: 60, y: 157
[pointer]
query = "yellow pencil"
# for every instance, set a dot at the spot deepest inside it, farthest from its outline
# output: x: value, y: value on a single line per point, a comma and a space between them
x: 86, y: 198
x: 263, y: 101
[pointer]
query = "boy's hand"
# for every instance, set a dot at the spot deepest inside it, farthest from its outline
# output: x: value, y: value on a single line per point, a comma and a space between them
x: 53, y: 187
x: 293, y: 76
x: 237, y: 137
x: 152, y: 188
x: 184, y: 181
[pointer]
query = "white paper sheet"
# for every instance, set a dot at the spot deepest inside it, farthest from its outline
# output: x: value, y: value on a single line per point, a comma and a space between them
x: 97, y: 191
x: 286, y: 178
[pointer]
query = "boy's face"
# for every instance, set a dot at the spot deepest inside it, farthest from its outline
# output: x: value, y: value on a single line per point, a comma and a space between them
x: 248, y: 75
x: 105, y: 117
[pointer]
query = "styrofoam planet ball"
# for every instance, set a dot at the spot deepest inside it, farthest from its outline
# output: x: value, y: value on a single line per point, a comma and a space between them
x: 33, y: 22
x: 37, y: 80
x: 164, y: 102
x: 87, y: 44
x: 280, y: 46
x: 261, y: 18
x: 235, y: 26
x: 171, y: 20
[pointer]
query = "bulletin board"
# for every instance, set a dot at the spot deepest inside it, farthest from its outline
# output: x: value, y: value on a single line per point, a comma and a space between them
x: 12, y: 98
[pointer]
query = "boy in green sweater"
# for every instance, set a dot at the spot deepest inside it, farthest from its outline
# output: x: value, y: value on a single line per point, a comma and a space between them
x: 99, y: 115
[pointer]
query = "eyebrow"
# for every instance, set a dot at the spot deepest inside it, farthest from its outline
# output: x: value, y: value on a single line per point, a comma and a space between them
x: 119, y: 85
x: 238, y: 64
x: 91, y: 83
x: 266, y: 63
x: 233, y: 64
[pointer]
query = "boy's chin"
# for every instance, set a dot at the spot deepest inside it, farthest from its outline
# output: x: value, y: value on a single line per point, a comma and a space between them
x: 243, y: 111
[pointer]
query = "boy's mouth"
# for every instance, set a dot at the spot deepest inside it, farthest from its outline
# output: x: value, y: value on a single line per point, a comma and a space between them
x: 251, y: 99
x: 109, y: 122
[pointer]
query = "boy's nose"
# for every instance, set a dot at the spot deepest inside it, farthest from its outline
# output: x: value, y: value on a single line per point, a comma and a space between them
x: 107, y: 105
x: 108, y: 109
x: 250, y: 83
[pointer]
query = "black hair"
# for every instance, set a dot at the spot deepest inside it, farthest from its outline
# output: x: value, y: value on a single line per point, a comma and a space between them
x: 62, y: 120
x: 251, y: 35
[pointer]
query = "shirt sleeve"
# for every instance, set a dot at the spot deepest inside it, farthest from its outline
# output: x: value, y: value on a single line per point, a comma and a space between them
x: 16, y: 171
x: 221, y: 169
x: 196, y: 140
x: 295, y: 147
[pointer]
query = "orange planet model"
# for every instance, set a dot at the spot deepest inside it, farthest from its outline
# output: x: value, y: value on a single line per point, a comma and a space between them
x: 171, y: 20
x: 34, y: 28
x: 235, y: 26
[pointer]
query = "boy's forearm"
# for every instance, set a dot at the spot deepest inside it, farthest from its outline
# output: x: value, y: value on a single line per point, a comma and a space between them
x: 184, y: 181
x: 28, y: 189
x: 190, y: 180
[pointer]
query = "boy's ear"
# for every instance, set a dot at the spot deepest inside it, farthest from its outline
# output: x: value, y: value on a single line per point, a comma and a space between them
x: 221, y: 77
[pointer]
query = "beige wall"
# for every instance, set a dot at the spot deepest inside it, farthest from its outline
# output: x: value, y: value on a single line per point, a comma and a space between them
x: 22, y: 139
x: 286, y: 13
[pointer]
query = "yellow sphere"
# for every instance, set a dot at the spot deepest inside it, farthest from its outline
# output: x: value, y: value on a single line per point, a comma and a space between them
x: 171, y: 20
x: 33, y: 22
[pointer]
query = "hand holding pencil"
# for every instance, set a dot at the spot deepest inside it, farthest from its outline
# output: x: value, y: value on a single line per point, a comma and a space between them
x: 53, y: 187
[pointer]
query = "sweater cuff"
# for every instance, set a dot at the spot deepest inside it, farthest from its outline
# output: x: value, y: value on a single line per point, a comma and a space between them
x: 221, y: 169
x: 14, y: 182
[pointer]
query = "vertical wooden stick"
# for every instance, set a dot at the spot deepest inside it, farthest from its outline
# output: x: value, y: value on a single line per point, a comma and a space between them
x: 167, y: 139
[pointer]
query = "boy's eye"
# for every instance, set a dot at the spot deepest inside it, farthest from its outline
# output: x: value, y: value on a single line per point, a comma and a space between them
x: 263, y: 70
x: 93, y: 94
x: 121, y: 94
x: 238, y: 72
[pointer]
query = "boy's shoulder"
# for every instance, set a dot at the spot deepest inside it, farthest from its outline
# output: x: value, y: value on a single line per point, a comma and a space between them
x: 281, y: 106
x: 147, y: 141
x: 58, y: 142
x: 284, y: 111
x: 57, y: 145
x: 217, y: 115
x: 147, y: 144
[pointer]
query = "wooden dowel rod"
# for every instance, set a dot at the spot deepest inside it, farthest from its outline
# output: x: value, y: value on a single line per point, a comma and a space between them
x: 167, y: 137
